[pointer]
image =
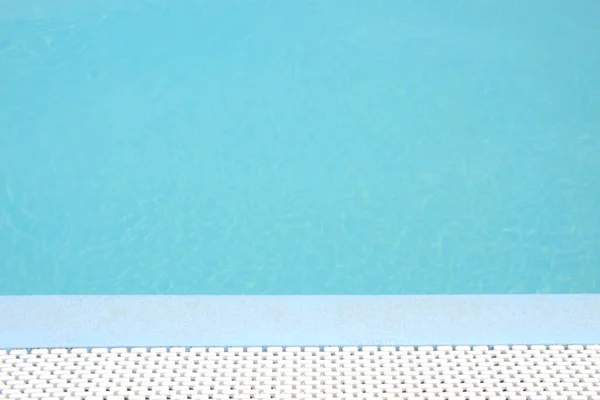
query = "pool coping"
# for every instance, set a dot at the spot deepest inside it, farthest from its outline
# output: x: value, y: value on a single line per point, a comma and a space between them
x: 230, y: 321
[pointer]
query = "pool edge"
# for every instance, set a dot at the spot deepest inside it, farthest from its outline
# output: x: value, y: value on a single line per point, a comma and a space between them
x: 151, y: 321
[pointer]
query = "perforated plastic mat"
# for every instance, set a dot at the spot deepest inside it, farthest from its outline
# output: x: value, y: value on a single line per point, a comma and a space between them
x: 461, y: 372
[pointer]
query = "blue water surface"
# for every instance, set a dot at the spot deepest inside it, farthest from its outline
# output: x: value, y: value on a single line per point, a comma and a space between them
x: 295, y: 147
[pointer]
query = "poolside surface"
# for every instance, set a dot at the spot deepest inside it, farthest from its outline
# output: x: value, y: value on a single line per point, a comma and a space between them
x: 141, y: 321
x: 299, y: 347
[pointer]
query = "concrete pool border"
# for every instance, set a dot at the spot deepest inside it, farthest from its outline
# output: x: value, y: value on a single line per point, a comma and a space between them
x: 224, y: 321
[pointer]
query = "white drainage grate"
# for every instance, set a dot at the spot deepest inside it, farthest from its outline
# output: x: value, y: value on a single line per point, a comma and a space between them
x: 443, y: 372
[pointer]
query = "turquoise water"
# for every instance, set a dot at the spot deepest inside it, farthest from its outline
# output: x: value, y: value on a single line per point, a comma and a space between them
x: 299, y: 147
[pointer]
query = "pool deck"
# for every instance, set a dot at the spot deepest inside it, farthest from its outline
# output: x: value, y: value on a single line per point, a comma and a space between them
x: 150, y: 321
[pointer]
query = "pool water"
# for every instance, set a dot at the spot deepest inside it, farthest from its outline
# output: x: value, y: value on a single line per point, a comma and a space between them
x: 350, y: 147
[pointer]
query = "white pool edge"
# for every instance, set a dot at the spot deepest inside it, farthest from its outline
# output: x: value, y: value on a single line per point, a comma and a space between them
x: 226, y: 321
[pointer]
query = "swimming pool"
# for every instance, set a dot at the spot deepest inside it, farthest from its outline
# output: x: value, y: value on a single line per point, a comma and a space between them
x: 299, y: 148
x: 152, y: 147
